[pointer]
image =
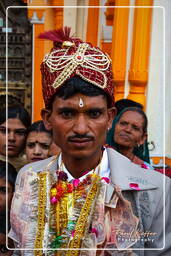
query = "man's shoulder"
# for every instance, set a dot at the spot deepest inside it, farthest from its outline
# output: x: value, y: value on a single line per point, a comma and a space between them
x: 124, y: 172
x: 39, y: 166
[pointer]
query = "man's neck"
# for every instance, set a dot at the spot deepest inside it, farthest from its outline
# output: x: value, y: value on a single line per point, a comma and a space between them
x: 77, y: 167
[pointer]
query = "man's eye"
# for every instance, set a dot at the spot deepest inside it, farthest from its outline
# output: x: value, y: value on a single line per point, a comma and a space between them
x: 3, y: 130
x: 94, y: 113
x: 67, y: 114
x: 21, y: 132
x: 2, y: 190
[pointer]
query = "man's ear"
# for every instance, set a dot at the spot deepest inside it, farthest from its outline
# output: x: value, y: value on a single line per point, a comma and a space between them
x: 111, y: 114
x: 46, y: 114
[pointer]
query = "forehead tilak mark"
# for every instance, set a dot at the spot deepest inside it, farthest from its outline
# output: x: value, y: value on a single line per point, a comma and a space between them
x: 81, y: 103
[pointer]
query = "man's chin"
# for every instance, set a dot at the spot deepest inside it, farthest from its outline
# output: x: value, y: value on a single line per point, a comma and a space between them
x: 12, y: 154
x: 81, y: 154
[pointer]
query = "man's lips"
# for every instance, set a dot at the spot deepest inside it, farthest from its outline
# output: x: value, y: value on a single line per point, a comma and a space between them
x: 11, y: 147
x: 77, y: 140
x: 80, y: 142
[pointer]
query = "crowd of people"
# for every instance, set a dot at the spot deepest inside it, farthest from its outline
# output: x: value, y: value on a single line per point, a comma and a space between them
x: 85, y: 185
x: 20, y: 143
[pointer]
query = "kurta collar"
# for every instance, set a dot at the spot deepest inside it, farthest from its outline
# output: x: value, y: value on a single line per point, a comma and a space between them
x: 124, y: 172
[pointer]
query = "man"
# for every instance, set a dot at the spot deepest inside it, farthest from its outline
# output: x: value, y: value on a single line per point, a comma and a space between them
x: 90, y: 200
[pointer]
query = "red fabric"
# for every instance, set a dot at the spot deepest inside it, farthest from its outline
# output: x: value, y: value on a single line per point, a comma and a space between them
x: 85, y: 73
x: 167, y: 171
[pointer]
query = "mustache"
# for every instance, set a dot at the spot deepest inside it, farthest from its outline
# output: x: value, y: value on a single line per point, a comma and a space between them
x: 80, y: 136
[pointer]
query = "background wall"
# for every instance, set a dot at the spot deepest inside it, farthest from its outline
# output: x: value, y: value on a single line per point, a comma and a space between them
x: 155, y: 89
x: 159, y: 86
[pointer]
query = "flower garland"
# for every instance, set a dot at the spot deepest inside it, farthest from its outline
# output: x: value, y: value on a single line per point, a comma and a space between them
x: 81, y: 223
x: 74, y: 204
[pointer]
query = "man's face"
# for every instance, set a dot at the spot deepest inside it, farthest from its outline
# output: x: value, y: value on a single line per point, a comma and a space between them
x: 3, y: 191
x: 54, y: 149
x: 79, y: 124
x: 16, y: 137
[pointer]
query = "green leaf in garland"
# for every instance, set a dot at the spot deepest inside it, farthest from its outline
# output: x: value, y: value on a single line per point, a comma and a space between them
x: 56, y: 243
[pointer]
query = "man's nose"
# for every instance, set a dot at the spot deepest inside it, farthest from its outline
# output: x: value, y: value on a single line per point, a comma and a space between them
x: 11, y: 136
x: 81, y: 125
x: 37, y: 150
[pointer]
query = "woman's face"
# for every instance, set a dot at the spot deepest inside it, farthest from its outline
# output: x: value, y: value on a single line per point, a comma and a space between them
x: 37, y: 146
x: 16, y: 136
x: 129, y: 130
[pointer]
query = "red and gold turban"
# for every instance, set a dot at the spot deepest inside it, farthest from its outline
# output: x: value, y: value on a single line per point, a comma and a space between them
x: 70, y: 57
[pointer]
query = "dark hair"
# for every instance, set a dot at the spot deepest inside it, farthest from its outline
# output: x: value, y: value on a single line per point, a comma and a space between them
x: 18, y: 112
x: 76, y: 85
x: 12, y: 173
x: 38, y: 127
x: 138, y: 110
x: 126, y: 103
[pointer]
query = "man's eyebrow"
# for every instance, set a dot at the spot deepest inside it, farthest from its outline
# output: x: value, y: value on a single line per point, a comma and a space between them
x: 20, y: 129
x: 16, y: 129
x: 96, y: 109
x: 82, y: 110
x: 65, y: 108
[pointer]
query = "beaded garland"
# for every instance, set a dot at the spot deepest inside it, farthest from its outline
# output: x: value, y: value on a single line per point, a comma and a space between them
x: 41, y: 213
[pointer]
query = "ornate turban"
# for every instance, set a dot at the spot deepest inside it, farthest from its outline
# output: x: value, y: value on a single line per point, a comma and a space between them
x: 70, y: 57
